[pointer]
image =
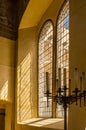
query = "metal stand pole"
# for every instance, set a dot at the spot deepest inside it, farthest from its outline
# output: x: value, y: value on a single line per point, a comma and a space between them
x: 65, y: 118
x: 65, y: 109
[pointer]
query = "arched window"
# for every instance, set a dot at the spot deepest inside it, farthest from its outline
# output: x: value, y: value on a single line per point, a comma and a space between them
x: 63, y: 47
x: 45, y: 69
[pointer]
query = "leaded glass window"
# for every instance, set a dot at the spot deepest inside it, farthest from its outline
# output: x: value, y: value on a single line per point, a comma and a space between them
x: 45, y: 67
x: 63, y: 48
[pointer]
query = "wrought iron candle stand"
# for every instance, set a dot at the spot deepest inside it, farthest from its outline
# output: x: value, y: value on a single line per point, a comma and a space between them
x: 65, y: 98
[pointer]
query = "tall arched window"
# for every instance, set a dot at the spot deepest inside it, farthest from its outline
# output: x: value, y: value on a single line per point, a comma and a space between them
x: 45, y: 69
x: 63, y: 47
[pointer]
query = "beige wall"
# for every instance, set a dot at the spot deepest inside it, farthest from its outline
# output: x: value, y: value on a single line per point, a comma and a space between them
x: 7, y: 67
x: 77, y: 114
x: 27, y: 42
x: 51, y: 13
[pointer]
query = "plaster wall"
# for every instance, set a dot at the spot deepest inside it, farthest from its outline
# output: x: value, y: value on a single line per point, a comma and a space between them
x: 77, y: 114
x: 27, y: 44
x: 7, y: 68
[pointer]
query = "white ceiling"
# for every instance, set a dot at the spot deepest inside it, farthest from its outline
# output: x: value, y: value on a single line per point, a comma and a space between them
x: 33, y: 13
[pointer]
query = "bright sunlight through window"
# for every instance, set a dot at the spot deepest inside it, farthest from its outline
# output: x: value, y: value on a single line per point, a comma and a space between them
x: 63, y: 47
x: 45, y: 66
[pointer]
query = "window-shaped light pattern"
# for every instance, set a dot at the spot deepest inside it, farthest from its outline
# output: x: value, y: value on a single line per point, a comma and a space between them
x: 4, y: 91
x: 45, y: 67
x: 63, y: 48
x: 24, y: 90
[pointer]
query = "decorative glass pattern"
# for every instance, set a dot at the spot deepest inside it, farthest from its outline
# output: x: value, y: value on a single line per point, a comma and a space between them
x: 45, y: 66
x: 63, y: 48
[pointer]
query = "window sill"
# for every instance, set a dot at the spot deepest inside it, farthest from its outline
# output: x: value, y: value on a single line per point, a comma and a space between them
x: 53, y: 123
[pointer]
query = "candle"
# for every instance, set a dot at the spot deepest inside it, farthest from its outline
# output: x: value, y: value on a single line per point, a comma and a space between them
x: 69, y: 87
x: 76, y: 78
x: 47, y: 81
x: 56, y: 84
x: 83, y: 80
x: 59, y: 77
x: 64, y: 77
x: 81, y: 83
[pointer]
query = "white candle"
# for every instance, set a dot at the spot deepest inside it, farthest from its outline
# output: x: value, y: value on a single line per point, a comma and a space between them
x: 64, y: 77
x: 83, y: 80
x: 69, y: 86
x: 76, y: 78
x: 80, y: 83
x: 59, y: 77
x: 56, y: 84
x: 47, y: 81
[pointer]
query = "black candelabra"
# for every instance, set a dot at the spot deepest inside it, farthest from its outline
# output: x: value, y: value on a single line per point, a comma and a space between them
x: 63, y: 95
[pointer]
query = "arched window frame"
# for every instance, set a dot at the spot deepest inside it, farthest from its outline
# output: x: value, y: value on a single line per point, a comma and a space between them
x: 47, y: 112
x: 62, y: 57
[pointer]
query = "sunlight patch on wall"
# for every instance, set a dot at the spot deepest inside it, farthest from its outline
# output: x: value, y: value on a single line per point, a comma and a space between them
x: 24, y: 89
x: 4, y: 91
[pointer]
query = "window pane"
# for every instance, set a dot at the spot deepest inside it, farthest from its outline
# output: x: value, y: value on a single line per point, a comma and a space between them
x: 63, y: 48
x: 45, y: 65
